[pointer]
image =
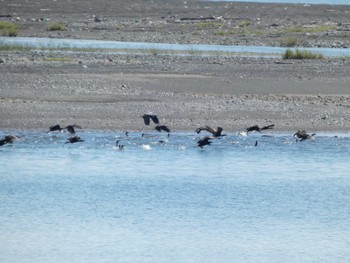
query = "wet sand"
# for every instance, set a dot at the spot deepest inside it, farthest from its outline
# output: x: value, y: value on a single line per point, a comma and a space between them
x: 111, y: 92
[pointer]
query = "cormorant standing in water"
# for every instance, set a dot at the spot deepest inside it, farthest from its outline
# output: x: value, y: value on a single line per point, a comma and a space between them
x: 120, y: 146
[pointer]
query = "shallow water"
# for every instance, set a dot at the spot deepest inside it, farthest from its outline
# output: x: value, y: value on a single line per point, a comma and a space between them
x: 163, y: 48
x: 327, y: 2
x: 165, y: 200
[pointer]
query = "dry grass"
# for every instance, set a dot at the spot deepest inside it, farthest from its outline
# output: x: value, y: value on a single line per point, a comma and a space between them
x: 56, y: 27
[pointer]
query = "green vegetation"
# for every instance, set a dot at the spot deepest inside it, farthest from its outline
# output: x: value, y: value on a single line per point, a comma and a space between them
x: 289, y: 41
x: 8, y: 29
x: 222, y: 33
x: 316, y: 29
x: 14, y: 48
x: 301, y: 54
x: 245, y: 23
x: 154, y: 51
x: 58, y: 59
x: 208, y: 24
x: 56, y: 26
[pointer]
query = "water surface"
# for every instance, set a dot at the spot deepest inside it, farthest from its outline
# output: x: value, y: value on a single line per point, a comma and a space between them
x: 162, y: 48
x: 327, y: 2
x: 166, y: 200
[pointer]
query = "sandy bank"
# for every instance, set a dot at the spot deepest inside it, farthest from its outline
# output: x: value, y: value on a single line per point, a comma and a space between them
x: 100, y: 91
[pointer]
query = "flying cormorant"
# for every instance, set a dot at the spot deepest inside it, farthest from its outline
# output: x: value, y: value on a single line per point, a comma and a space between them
x: 74, y: 139
x: 56, y: 127
x: 302, y: 135
x: 162, y: 128
x: 258, y: 129
x: 148, y: 117
x: 216, y: 133
x: 70, y: 128
x: 8, y: 139
x: 204, y: 141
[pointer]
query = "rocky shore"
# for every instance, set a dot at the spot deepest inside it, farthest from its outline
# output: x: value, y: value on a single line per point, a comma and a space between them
x: 107, y: 91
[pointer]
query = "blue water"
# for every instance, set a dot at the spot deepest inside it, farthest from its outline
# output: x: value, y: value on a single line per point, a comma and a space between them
x: 170, y: 201
x: 327, y: 2
x: 172, y: 49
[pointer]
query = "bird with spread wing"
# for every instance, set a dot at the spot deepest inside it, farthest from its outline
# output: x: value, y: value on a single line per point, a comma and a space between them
x: 258, y: 129
x: 216, y: 133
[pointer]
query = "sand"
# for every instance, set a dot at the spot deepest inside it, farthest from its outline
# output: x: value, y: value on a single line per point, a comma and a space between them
x: 111, y: 92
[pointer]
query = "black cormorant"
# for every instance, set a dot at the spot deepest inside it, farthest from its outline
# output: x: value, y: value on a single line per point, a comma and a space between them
x: 302, y: 135
x: 8, y: 139
x: 56, y: 127
x: 216, y: 133
x: 258, y: 129
x: 74, y: 139
x: 70, y: 128
x: 148, y: 117
x: 162, y: 128
x: 204, y: 141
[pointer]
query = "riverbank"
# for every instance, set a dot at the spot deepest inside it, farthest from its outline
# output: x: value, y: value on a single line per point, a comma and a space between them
x: 111, y: 92
x: 107, y: 91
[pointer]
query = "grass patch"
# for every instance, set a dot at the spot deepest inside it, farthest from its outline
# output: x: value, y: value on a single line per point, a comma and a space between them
x: 14, y: 48
x: 208, y: 24
x: 289, y: 41
x: 8, y: 29
x: 56, y: 27
x: 58, y: 59
x: 301, y: 54
x: 316, y: 29
x: 245, y: 23
x: 222, y: 33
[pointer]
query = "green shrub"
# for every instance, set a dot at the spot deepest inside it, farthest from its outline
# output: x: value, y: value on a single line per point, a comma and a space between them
x: 14, y: 48
x: 221, y: 33
x: 8, y: 29
x: 301, y: 54
x: 316, y: 29
x: 56, y: 27
x: 289, y: 42
x: 245, y: 23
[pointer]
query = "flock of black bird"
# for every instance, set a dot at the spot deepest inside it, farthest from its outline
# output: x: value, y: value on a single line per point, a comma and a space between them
x: 147, y: 120
x: 300, y: 135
